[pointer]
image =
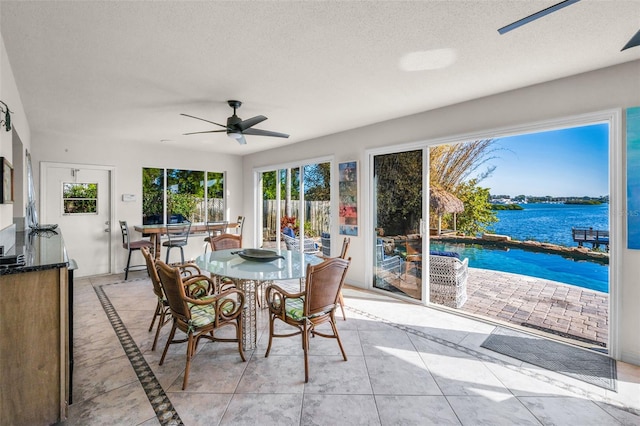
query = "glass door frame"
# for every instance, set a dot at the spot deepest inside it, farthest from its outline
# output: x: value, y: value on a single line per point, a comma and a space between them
x: 616, y: 199
x: 370, y: 220
x: 278, y: 168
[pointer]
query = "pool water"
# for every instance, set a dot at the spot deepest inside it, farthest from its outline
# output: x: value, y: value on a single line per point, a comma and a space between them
x: 582, y: 273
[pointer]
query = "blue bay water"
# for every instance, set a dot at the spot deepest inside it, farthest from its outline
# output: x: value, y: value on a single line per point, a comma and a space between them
x: 549, y: 223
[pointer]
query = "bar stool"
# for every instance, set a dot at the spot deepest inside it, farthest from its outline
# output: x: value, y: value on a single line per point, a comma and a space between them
x: 240, y: 224
x: 178, y: 236
x: 131, y: 246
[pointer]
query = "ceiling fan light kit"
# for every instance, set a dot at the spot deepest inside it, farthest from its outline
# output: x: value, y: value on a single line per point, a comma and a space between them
x: 635, y: 40
x: 236, y: 127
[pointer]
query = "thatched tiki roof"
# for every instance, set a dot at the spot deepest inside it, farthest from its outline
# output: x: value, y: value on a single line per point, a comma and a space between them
x: 441, y: 202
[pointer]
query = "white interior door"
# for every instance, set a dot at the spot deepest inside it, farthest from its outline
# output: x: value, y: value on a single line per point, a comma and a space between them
x: 78, y: 199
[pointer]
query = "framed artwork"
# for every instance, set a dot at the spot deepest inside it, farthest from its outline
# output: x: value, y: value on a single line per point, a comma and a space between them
x: 348, y: 198
x: 633, y: 178
x: 6, y: 192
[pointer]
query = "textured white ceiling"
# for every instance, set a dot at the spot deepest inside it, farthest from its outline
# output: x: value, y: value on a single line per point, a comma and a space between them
x: 124, y: 71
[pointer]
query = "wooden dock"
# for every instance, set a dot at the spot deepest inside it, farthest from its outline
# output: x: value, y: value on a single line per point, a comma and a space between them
x: 591, y: 236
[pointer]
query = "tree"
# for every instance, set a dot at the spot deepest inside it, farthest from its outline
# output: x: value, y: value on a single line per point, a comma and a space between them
x: 398, y: 180
x: 317, y: 182
x: 477, y: 215
x: 450, y: 167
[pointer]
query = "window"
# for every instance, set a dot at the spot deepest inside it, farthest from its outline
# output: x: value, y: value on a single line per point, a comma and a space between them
x: 176, y: 195
x: 80, y: 198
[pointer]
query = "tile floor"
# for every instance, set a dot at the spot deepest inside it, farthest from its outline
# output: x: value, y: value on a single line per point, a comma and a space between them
x: 408, y: 364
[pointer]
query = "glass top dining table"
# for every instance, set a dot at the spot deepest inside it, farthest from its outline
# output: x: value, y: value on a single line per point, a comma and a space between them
x: 228, y: 263
x: 249, y: 276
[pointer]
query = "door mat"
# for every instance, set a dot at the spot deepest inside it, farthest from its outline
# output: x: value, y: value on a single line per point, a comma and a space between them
x: 587, y: 366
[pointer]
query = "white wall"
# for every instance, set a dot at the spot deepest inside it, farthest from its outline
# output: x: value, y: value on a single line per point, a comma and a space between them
x: 128, y: 160
x: 9, y: 94
x: 609, y: 88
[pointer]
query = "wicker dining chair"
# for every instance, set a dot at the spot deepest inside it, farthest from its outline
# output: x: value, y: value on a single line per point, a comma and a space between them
x: 199, y: 318
x: 226, y: 241
x: 343, y: 255
x: 314, y: 306
x: 162, y: 313
x: 213, y: 230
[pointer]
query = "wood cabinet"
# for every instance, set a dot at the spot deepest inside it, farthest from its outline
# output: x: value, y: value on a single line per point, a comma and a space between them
x: 34, y: 344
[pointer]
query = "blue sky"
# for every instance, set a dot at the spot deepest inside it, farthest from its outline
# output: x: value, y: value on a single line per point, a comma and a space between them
x: 566, y: 162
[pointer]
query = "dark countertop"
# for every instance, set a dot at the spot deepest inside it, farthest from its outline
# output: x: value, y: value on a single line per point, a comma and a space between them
x: 42, y: 250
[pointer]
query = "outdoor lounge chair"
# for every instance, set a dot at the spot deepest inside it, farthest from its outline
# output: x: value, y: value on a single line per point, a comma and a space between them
x: 293, y: 244
x: 386, y: 262
x: 448, y: 280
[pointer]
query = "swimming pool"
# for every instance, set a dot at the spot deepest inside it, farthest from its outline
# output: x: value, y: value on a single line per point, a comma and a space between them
x: 582, y: 273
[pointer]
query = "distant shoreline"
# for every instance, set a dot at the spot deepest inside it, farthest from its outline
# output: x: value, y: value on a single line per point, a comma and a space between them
x: 575, y: 253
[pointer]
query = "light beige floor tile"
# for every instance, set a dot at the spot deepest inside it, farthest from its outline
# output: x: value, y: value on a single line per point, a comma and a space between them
x: 491, y: 410
x: 127, y: 405
x: 344, y: 409
x: 334, y: 375
x: 625, y: 417
x: 384, y: 342
x: 263, y: 409
x: 99, y: 351
x: 197, y: 409
x: 521, y: 384
x: 275, y: 374
x: 405, y: 410
x: 219, y: 374
x: 91, y: 381
x: 567, y: 410
x: 405, y: 374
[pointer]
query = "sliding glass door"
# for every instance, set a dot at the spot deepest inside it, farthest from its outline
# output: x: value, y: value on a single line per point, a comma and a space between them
x: 297, y: 198
x: 397, y: 215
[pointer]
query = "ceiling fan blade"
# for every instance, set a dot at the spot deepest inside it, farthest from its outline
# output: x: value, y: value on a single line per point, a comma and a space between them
x: 635, y: 41
x: 208, y: 131
x: 202, y: 119
x: 241, y: 140
x: 250, y: 122
x: 258, y: 132
x: 536, y: 15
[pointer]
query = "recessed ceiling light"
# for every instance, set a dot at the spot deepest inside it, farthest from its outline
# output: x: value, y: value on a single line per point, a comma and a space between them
x: 428, y: 60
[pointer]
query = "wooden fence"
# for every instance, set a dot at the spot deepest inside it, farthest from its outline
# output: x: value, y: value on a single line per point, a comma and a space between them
x: 316, y: 217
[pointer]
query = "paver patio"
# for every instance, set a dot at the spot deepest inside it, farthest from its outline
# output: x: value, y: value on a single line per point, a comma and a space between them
x: 550, y: 306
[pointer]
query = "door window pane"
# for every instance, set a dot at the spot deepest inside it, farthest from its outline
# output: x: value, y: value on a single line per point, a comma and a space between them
x: 185, y: 196
x: 215, y: 196
x: 80, y: 198
x: 152, y: 196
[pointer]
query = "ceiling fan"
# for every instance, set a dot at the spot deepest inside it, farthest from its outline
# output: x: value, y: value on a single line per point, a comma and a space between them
x: 236, y: 127
x: 635, y: 40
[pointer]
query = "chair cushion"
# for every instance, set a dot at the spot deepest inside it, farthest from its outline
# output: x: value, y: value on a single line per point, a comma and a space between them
x: 294, y: 308
x: 203, y: 315
x: 445, y: 253
x: 198, y: 289
x: 136, y: 245
x: 174, y: 243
